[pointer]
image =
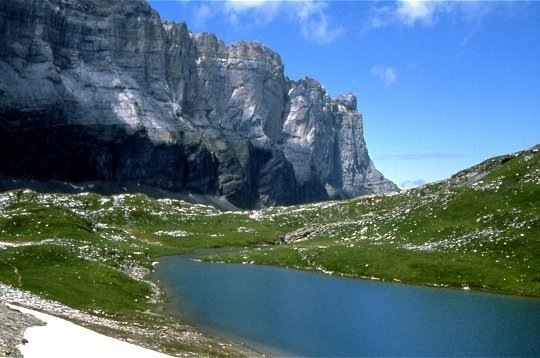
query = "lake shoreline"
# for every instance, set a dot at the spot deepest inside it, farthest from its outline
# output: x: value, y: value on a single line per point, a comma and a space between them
x: 131, y: 332
x: 471, y: 288
x: 50, y: 340
x: 267, y: 298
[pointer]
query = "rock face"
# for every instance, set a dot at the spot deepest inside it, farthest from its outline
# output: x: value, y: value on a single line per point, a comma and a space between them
x: 13, y: 324
x: 99, y: 90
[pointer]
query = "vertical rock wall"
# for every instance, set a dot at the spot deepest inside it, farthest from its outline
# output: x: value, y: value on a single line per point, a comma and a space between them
x: 104, y: 90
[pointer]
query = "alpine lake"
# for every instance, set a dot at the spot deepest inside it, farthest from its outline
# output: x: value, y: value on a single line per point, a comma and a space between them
x: 285, y: 312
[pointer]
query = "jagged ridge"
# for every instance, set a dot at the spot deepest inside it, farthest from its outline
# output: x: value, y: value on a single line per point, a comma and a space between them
x: 94, y: 90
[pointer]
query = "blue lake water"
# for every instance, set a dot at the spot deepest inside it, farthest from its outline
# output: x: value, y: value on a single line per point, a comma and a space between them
x: 300, y: 313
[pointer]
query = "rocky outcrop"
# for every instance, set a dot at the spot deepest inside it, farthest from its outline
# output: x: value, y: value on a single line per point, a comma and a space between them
x: 13, y: 324
x: 98, y: 90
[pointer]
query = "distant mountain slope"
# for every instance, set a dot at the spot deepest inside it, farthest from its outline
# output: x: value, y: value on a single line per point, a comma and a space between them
x: 99, y: 90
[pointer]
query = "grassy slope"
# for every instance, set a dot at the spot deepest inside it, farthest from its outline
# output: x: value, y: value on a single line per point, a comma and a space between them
x: 467, y: 231
x: 73, y: 247
x: 79, y: 249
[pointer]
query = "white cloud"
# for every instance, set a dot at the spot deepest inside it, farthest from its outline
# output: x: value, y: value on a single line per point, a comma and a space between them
x: 408, y: 184
x: 202, y: 14
x: 412, y: 11
x: 311, y: 16
x: 247, y: 4
x: 386, y: 74
x: 381, y: 17
x: 314, y: 21
x: 251, y: 12
x: 422, y: 156
x: 408, y: 12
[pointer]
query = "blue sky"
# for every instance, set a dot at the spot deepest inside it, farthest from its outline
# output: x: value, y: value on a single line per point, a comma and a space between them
x: 442, y: 85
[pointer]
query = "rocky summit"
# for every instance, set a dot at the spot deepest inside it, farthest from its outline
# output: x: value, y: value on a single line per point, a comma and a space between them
x: 99, y: 90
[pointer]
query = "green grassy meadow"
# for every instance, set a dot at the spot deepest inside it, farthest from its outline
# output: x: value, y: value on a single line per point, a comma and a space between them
x: 479, y: 229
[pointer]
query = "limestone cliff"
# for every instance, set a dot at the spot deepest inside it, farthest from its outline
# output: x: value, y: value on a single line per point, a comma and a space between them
x: 99, y: 90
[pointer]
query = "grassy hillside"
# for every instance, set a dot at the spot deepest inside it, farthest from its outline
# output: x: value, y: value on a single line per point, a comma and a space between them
x: 94, y: 253
x: 82, y: 249
x: 479, y: 229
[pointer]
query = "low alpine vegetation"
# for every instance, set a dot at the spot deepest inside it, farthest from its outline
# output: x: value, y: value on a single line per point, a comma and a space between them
x: 479, y: 229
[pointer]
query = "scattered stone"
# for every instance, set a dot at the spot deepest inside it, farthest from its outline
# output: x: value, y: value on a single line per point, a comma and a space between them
x: 13, y: 324
x: 151, y: 336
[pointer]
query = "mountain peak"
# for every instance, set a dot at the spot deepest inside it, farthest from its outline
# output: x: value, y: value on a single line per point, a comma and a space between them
x: 106, y: 91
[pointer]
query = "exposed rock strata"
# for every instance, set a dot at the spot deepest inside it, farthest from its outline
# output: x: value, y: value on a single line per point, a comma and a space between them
x: 98, y: 90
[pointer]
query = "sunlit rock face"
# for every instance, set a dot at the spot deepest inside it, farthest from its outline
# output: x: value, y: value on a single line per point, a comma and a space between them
x: 104, y: 90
